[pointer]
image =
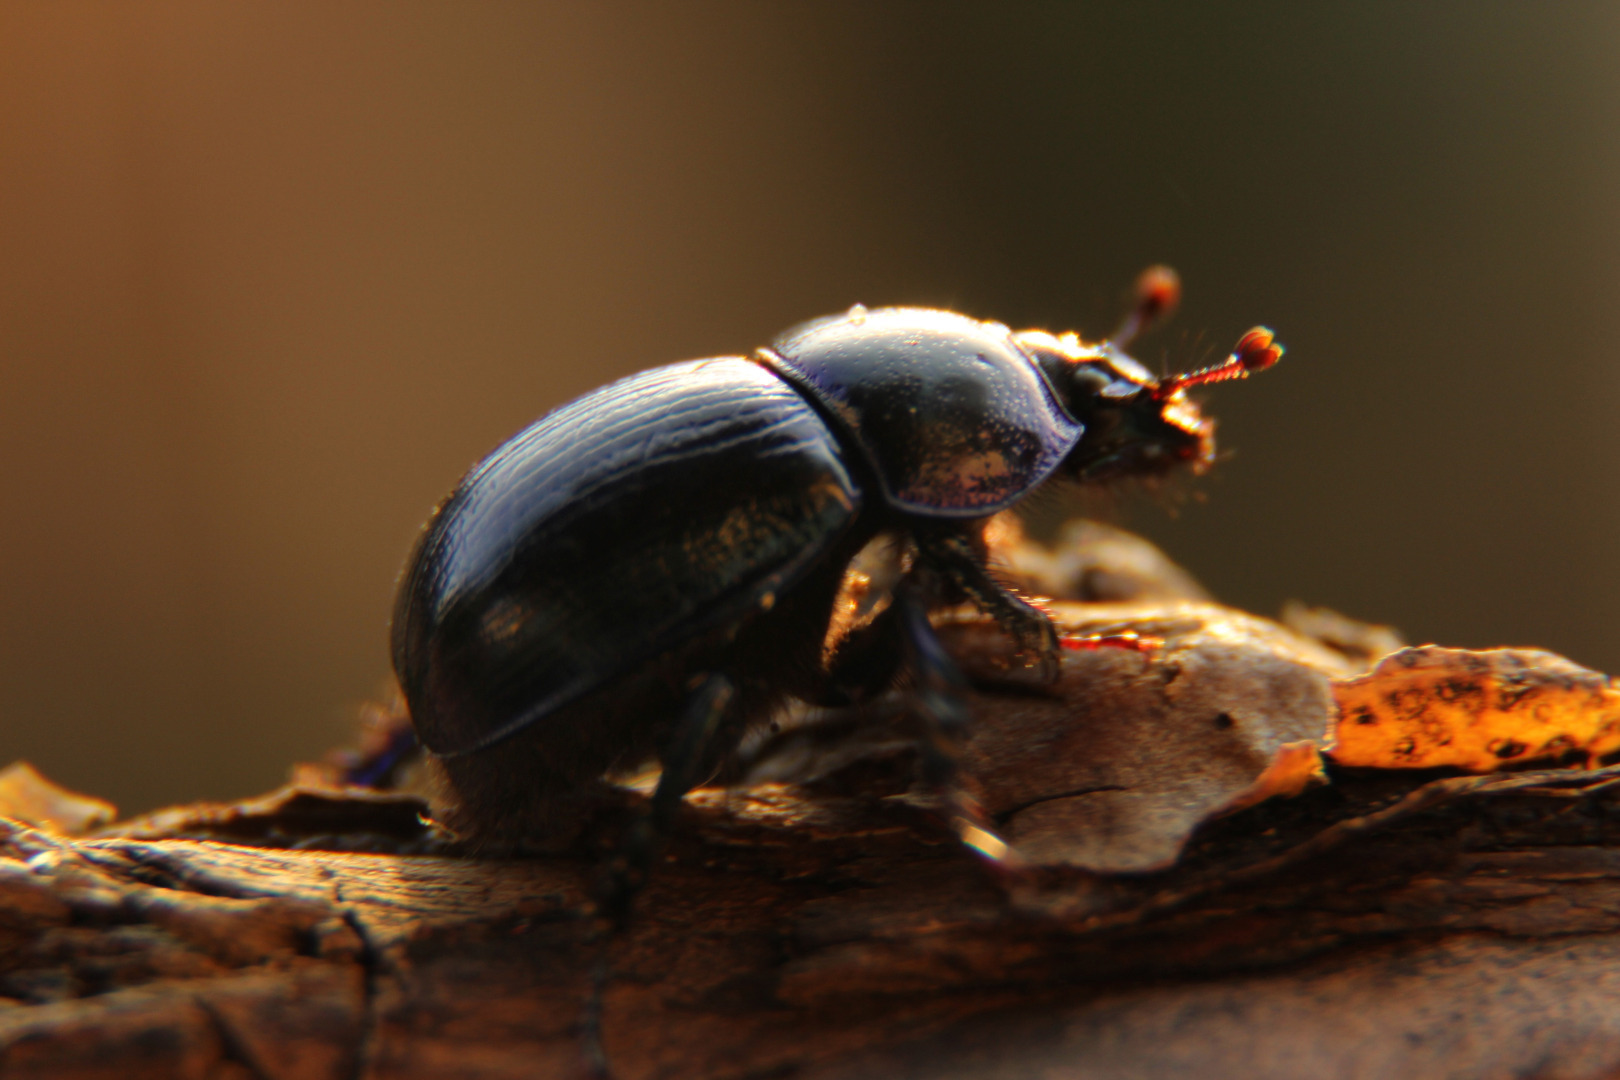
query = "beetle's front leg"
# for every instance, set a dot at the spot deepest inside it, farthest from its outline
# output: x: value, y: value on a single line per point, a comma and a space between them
x: 958, y: 555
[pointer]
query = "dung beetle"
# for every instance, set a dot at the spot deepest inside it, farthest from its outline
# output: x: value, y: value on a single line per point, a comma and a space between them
x: 653, y: 569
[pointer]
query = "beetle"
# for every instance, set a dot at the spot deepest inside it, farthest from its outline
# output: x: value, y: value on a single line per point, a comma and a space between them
x: 653, y: 569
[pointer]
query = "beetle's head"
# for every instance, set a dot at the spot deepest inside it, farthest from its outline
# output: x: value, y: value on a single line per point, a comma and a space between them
x: 1137, y: 425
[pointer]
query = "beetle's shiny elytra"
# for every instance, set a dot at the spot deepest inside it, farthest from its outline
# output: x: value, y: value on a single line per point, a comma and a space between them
x: 690, y: 526
x: 638, y: 517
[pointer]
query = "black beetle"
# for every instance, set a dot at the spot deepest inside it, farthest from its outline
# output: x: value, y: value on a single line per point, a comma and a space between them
x: 653, y: 568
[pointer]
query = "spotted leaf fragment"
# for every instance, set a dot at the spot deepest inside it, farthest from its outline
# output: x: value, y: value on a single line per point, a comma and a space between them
x: 1477, y: 710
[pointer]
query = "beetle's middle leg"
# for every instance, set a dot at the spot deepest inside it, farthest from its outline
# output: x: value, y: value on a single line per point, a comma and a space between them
x: 939, y: 698
x: 958, y: 556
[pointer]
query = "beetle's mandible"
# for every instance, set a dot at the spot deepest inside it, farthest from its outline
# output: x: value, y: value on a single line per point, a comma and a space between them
x: 653, y: 568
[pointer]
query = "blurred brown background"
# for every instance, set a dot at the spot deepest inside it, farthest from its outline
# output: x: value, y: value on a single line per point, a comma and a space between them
x: 273, y: 274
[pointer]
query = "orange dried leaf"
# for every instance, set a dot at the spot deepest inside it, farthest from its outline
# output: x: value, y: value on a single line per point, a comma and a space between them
x: 1294, y: 767
x: 1476, y: 710
x: 26, y: 795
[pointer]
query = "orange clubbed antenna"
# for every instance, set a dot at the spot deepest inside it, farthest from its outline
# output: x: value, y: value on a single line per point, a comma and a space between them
x: 1158, y: 293
x: 1256, y: 351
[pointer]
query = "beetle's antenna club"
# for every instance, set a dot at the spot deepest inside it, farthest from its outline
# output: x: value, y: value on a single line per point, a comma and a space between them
x: 1256, y: 350
x: 1158, y: 292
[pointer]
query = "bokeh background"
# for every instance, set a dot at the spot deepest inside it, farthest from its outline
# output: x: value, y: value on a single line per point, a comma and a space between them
x: 272, y: 275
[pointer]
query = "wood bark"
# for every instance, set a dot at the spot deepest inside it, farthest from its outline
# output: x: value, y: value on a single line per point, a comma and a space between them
x: 1465, y: 927
x: 1389, y: 924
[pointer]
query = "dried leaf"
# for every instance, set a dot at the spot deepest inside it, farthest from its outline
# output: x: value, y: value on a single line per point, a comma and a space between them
x: 1476, y: 710
x: 299, y: 815
x: 1113, y: 767
x: 1198, y: 712
x: 1295, y: 767
x: 26, y: 795
x: 1362, y: 643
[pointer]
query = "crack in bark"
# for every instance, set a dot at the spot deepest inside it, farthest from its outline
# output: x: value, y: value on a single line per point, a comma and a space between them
x: 370, y: 960
x: 235, y: 1048
x: 1003, y: 816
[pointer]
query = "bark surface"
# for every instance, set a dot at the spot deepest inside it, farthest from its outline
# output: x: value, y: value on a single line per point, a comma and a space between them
x: 1388, y: 924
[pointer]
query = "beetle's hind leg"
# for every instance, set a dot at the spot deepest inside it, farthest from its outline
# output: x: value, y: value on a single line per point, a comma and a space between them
x: 686, y: 760
x: 690, y: 747
x: 939, y: 703
x: 959, y: 558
